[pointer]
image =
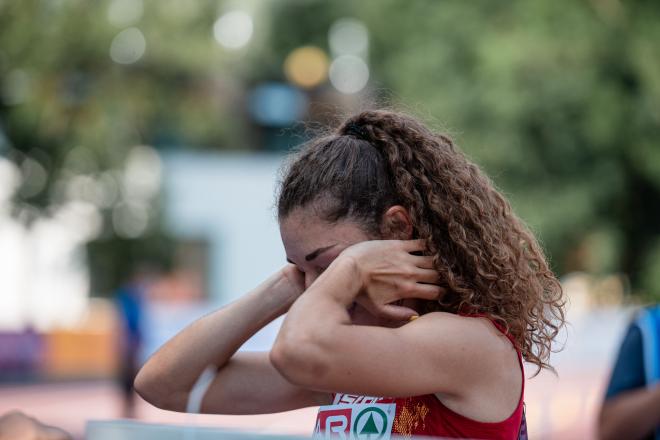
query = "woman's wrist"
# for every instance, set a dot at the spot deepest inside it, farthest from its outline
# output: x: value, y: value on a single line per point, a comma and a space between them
x: 353, y: 268
x: 276, y: 294
x: 345, y: 278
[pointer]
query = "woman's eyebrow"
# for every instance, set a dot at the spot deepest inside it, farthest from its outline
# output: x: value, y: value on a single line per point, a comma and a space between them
x: 317, y: 252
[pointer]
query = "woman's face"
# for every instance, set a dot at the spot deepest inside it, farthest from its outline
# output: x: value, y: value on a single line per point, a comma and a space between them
x: 312, y: 244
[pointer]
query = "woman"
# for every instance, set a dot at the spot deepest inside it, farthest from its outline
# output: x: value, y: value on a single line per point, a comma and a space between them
x: 409, y: 278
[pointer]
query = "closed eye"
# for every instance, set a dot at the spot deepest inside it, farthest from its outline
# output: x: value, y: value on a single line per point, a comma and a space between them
x: 297, y: 267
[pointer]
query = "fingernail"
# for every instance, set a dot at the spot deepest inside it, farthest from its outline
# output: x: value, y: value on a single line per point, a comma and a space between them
x: 412, y: 318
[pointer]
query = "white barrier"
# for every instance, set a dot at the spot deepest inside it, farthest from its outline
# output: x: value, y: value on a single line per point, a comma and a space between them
x: 130, y: 430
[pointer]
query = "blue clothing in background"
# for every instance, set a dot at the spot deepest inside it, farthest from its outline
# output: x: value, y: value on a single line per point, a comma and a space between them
x: 130, y: 302
x: 629, y: 371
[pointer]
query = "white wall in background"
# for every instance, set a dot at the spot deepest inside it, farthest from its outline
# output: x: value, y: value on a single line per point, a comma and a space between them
x: 44, y: 281
x: 227, y: 199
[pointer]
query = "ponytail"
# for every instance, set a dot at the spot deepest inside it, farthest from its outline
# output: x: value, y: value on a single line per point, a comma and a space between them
x: 485, y: 256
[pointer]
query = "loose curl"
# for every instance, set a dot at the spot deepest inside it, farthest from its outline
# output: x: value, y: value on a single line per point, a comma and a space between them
x: 486, y: 257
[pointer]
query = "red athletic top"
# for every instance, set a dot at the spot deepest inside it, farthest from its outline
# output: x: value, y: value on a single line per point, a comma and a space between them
x: 371, y: 418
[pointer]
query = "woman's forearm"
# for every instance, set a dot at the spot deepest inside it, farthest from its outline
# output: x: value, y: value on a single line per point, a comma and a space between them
x: 302, y: 348
x: 376, y: 274
x: 211, y: 341
x: 325, y: 303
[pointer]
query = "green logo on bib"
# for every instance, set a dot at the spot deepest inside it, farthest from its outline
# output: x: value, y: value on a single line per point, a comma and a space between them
x: 373, y: 428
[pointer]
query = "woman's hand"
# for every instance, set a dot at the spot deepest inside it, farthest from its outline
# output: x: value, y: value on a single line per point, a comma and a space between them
x: 290, y: 284
x: 390, y: 273
x: 295, y: 277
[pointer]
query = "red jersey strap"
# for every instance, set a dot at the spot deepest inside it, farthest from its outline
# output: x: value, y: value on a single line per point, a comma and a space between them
x: 522, y: 432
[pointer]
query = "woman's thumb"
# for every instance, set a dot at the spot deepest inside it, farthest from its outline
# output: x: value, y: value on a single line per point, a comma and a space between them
x: 397, y: 313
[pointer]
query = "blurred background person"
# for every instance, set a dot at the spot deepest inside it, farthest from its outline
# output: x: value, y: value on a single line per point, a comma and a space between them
x: 631, y: 408
x: 130, y: 299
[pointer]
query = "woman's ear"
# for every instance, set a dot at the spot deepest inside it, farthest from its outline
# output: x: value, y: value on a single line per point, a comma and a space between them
x: 396, y: 224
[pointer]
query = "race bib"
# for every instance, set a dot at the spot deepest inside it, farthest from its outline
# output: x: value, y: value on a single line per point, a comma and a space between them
x: 369, y: 421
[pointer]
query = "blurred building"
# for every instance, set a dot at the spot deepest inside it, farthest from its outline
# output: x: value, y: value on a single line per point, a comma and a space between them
x: 220, y: 210
x: 223, y: 206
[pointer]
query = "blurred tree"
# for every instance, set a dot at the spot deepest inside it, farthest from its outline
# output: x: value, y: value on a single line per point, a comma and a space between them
x: 559, y: 102
x: 61, y: 87
x: 81, y: 84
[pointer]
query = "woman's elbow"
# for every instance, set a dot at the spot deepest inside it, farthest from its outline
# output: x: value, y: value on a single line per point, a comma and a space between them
x: 156, y: 392
x: 147, y: 388
x: 300, y: 362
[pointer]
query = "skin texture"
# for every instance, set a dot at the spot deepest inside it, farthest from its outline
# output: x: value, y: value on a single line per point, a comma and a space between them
x: 304, y: 234
x: 632, y: 415
x: 15, y: 425
x: 245, y: 383
x: 347, y: 306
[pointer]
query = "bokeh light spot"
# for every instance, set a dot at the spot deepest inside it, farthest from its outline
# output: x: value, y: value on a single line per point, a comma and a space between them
x: 348, y: 36
x: 130, y: 220
x: 233, y: 30
x: 277, y: 104
x: 306, y: 66
x: 349, y: 74
x: 128, y: 46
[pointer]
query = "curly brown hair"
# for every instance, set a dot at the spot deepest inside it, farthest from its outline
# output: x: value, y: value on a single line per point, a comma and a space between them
x: 487, y: 258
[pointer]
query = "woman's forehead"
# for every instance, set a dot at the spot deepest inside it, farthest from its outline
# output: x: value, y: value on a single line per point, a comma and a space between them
x: 303, y: 233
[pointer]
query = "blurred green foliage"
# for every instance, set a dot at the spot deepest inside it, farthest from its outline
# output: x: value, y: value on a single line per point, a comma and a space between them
x: 558, y: 101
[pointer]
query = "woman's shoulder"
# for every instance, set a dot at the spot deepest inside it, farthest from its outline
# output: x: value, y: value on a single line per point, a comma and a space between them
x: 492, y: 366
x: 477, y: 338
x: 465, y: 325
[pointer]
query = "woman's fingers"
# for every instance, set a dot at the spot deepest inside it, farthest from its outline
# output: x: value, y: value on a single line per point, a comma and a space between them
x: 428, y: 276
x: 393, y: 312
x: 396, y: 269
x: 427, y: 291
x: 425, y: 262
x: 414, y: 245
x: 414, y: 289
